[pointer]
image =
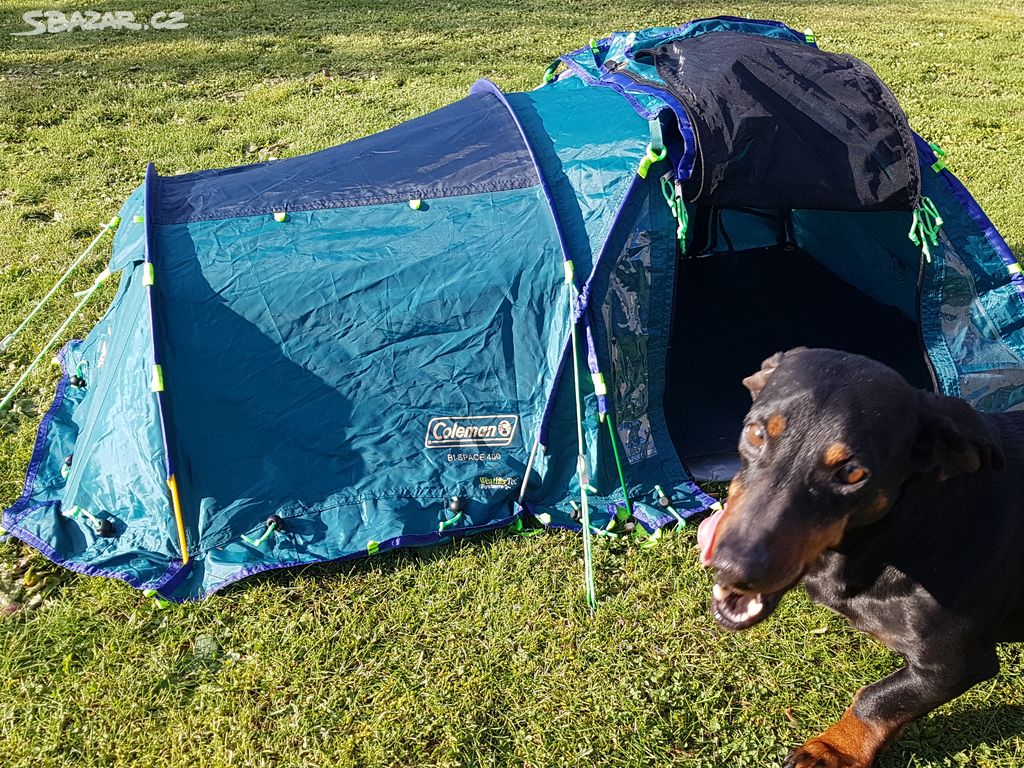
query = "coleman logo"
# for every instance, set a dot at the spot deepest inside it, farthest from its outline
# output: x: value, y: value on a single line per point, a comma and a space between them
x: 471, y: 431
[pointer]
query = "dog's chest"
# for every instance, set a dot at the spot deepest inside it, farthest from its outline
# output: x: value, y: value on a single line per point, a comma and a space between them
x: 877, y: 606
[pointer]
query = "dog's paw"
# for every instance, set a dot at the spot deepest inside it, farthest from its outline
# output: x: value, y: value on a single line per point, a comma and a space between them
x: 820, y: 754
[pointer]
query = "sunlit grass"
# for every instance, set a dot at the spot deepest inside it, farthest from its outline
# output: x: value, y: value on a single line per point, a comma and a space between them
x: 479, y: 653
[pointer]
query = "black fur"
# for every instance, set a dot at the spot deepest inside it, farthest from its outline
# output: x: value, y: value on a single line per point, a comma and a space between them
x: 926, y: 554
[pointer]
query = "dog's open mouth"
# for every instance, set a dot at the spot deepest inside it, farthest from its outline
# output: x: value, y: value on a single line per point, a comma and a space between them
x: 735, y: 610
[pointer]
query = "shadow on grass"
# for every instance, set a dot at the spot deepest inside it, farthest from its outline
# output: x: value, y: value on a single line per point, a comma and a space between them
x: 935, y: 740
x: 385, y: 564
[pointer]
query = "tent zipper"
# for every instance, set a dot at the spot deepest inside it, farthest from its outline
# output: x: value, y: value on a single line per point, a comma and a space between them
x: 920, y: 329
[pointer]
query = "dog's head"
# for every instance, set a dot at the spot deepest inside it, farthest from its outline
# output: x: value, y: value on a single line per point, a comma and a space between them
x: 827, y: 446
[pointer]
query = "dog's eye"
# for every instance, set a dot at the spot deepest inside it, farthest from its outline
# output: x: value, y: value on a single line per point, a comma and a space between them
x: 851, y: 474
x: 755, y: 435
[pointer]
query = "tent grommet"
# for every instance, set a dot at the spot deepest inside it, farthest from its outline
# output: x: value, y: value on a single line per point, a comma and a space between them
x: 105, y: 528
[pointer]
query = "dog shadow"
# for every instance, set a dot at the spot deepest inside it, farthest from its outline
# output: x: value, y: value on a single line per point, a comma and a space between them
x: 940, y: 736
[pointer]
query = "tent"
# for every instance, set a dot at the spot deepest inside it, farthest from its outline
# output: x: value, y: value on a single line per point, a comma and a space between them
x: 526, y: 305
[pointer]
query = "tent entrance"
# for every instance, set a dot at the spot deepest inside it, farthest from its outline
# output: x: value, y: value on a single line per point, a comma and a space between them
x: 734, y: 309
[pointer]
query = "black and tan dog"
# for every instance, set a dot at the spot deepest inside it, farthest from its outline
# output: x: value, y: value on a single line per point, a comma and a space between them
x: 900, y: 509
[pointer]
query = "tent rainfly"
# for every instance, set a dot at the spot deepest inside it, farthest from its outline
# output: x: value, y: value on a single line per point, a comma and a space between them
x: 528, y: 305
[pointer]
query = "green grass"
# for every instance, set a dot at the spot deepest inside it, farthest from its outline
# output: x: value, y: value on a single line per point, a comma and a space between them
x: 473, y: 654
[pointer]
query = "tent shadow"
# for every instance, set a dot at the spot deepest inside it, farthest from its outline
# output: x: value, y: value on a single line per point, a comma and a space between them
x: 386, y: 563
x: 255, y: 412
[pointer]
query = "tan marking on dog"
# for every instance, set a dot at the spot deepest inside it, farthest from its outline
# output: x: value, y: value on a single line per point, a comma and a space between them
x: 882, y: 503
x: 776, y: 425
x: 849, y: 743
x: 836, y: 454
x: 732, y: 503
x: 804, y: 550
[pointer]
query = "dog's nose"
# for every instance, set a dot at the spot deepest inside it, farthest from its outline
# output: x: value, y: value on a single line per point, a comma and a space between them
x: 737, y: 580
x: 746, y: 570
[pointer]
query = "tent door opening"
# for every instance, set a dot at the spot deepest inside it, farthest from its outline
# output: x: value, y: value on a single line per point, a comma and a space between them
x: 736, y: 305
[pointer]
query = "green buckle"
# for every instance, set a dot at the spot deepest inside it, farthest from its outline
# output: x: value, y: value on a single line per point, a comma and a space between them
x: 549, y: 73
x: 940, y: 155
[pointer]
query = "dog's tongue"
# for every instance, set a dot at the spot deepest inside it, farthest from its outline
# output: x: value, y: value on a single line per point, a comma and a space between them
x: 706, y: 536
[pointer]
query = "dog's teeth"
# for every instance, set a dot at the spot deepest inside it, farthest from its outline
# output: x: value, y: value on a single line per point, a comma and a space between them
x: 754, y: 607
x: 718, y: 592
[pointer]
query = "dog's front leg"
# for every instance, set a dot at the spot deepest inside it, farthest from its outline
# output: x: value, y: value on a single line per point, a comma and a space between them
x: 880, y: 711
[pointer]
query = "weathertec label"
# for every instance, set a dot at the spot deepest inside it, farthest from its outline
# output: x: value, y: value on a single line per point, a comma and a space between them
x: 471, y: 431
x: 498, y: 483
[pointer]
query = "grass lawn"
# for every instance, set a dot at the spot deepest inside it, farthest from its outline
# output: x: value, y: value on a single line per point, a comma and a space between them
x: 478, y: 653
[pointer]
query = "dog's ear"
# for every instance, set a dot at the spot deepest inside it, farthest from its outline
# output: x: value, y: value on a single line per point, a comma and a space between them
x: 953, y: 438
x: 755, y: 382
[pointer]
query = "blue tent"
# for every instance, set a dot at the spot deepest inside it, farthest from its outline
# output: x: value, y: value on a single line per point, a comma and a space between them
x: 418, y: 334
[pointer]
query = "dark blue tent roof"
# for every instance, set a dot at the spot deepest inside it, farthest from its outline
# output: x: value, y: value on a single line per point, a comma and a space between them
x: 470, y: 147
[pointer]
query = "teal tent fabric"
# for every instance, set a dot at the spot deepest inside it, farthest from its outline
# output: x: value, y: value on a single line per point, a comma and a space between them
x: 368, y: 347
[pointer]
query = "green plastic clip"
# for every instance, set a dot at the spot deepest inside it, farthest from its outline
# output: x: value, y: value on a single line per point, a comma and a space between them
x: 621, y: 516
x: 569, y: 271
x: 372, y: 547
x: 594, y: 47
x: 280, y: 216
x: 666, y: 503
x: 651, y: 156
x: 266, y: 534
x: 1013, y: 269
x: 138, y: 218
x: 160, y: 603
x: 940, y: 157
x: 148, y: 274
x: 157, y: 382
x: 549, y: 73
x: 600, y: 387
x: 809, y: 36
x: 416, y: 204
x: 519, y: 529
x: 446, y: 524
x: 924, y: 228
x: 672, y: 191
x: 650, y: 540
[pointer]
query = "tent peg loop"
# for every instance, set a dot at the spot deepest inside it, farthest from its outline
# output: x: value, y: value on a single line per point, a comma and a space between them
x: 101, y: 526
x: 456, y: 505
x: 666, y: 503
x: 274, y: 523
